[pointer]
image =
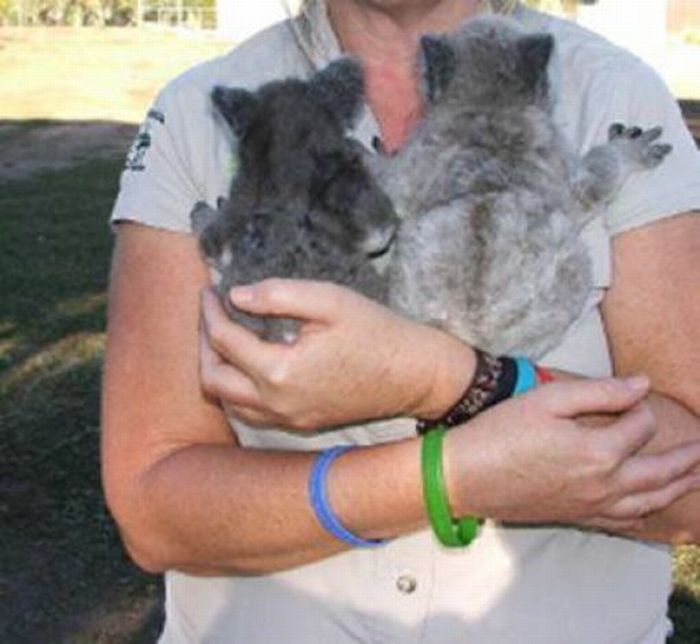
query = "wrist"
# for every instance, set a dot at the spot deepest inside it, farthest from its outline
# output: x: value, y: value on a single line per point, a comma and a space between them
x: 494, y: 379
x: 448, y: 372
x: 392, y: 504
x: 461, y: 465
x: 450, y: 529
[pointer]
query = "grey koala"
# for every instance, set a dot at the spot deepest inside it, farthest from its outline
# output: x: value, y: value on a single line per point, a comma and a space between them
x: 492, y: 199
x: 303, y: 203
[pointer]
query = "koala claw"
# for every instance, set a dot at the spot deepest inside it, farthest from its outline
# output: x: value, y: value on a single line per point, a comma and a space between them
x: 652, y: 134
x: 615, y: 130
x: 655, y: 154
x: 201, y: 215
x: 636, y: 144
x: 619, y: 131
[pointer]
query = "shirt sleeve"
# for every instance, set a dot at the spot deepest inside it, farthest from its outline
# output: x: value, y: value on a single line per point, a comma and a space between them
x: 159, y: 184
x: 635, y: 95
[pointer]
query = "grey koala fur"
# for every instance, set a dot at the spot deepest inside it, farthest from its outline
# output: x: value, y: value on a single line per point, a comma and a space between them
x: 303, y: 204
x: 491, y: 197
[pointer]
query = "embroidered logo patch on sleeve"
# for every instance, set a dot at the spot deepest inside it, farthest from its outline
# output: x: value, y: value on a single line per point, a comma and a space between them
x: 142, y: 142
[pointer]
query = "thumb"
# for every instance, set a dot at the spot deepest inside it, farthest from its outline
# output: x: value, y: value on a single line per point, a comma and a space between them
x: 569, y: 398
x: 301, y: 299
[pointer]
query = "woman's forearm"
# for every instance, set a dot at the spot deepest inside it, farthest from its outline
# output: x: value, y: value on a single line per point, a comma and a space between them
x: 678, y: 523
x: 218, y: 510
x: 222, y: 510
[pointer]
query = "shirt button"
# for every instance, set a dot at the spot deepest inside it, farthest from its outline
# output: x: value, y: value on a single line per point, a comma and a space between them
x: 406, y: 584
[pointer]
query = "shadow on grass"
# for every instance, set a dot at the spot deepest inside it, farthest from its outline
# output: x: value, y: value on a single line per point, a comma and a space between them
x: 32, y: 145
x: 63, y: 573
x: 685, y: 614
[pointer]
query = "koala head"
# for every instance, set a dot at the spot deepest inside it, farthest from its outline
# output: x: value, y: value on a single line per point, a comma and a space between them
x: 337, y: 89
x: 293, y: 151
x: 488, y: 62
x: 285, y: 126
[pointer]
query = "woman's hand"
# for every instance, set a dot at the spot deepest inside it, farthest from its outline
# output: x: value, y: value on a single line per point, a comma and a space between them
x: 354, y: 360
x: 534, y: 458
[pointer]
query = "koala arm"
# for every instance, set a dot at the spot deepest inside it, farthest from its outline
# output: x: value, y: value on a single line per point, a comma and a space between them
x: 599, y: 175
x: 652, y: 317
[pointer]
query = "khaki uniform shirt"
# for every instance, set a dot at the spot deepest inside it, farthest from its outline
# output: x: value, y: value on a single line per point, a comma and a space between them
x: 514, y: 584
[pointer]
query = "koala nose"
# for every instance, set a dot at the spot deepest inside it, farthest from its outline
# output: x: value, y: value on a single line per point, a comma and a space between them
x: 379, y: 240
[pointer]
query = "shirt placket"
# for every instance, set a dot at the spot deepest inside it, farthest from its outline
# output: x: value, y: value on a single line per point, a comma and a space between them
x: 403, y: 582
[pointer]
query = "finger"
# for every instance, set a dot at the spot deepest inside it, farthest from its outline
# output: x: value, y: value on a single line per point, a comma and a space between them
x: 630, y: 431
x: 303, y: 299
x: 223, y: 380
x: 640, y: 505
x: 250, y: 416
x: 236, y: 344
x: 652, y: 471
x: 630, y: 527
x: 207, y: 355
x: 569, y: 398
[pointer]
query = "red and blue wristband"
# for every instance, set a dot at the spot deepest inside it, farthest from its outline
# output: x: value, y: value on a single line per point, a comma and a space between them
x: 495, y: 379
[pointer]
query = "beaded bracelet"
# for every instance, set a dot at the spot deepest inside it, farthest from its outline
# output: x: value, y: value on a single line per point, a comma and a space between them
x: 450, y: 532
x: 319, y: 500
x: 494, y: 380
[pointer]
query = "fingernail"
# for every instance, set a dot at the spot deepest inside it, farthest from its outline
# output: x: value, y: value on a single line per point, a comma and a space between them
x: 241, y: 294
x: 637, y: 383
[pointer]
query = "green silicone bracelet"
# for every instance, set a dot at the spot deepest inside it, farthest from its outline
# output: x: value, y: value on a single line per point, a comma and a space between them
x: 450, y: 532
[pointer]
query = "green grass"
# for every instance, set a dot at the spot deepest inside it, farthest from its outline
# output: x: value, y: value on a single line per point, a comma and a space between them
x: 685, y: 603
x: 63, y: 574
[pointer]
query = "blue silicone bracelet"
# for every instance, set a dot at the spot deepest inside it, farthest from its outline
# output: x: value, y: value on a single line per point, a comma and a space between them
x: 320, y: 505
x: 526, y: 376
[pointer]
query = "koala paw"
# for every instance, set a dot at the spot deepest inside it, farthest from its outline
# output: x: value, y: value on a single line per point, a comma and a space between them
x: 637, y: 145
x: 201, y: 216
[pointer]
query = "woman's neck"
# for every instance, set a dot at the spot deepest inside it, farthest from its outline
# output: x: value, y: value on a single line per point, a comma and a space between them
x: 385, y: 35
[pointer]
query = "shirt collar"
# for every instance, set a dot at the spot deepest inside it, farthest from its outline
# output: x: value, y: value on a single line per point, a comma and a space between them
x: 320, y: 45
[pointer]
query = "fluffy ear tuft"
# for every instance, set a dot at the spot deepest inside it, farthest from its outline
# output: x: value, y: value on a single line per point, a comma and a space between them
x: 340, y: 86
x: 237, y: 106
x: 536, y: 51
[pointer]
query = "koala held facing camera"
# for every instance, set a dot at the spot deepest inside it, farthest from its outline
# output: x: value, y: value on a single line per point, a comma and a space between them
x: 303, y: 203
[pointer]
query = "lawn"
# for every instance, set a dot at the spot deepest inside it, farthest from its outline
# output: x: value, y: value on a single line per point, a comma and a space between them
x: 70, y: 102
x: 63, y: 574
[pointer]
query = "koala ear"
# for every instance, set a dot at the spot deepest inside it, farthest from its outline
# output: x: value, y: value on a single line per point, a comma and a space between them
x: 438, y: 65
x: 340, y: 86
x: 237, y: 106
x: 536, y: 51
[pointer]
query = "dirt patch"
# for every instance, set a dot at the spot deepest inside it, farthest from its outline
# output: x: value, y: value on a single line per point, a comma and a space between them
x: 28, y: 147
x: 110, y: 74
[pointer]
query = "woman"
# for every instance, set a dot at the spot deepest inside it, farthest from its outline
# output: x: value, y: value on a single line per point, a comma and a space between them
x: 227, y: 514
